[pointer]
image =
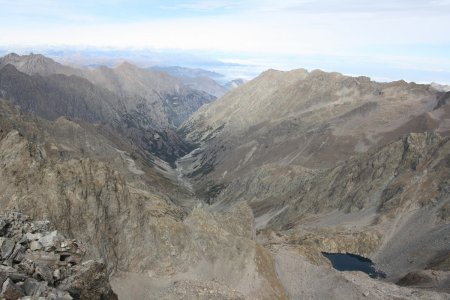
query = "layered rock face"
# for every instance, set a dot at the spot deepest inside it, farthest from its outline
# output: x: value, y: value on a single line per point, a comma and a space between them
x: 39, y: 264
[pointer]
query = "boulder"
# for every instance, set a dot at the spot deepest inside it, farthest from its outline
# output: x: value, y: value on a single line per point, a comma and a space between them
x: 49, y: 241
x: 35, y: 245
x: 7, y: 248
x: 32, y: 287
x: 11, y: 291
x: 33, y: 236
x: 90, y: 281
x: 43, y: 273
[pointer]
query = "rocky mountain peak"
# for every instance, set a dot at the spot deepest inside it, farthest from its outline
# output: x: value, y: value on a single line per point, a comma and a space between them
x: 10, y: 56
x: 37, y: 64
x: 8, y: 68
x: 125, y: 65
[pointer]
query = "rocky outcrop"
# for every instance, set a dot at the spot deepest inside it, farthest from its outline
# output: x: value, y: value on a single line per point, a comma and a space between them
x: 37, y: 262
x: 203, y: 257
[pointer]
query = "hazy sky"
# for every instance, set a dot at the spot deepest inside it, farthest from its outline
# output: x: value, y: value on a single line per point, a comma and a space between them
x: 385, y: 38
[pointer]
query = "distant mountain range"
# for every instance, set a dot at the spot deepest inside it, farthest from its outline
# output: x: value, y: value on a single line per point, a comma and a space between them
x: 188, y: 72
x: 210, y: 82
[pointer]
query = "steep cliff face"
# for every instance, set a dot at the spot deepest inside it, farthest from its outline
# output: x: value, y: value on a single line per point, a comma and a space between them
x: 76, y: 178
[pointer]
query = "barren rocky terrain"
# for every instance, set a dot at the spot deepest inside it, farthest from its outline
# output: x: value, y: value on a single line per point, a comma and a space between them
x: 238, y: 199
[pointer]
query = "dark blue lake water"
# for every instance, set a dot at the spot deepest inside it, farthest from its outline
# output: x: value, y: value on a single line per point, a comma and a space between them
x: 353, y: 262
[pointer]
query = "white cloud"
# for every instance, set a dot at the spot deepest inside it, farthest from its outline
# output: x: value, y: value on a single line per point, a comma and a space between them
x: 203, y: 5
x: 284, y: 33
x: 271, y: 30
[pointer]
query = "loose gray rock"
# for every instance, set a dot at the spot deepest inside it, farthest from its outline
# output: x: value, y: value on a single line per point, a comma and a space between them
x: 44, y: 273
x: 89, y: 282
x: 41, y: 260
x: 11, y: 291
x: 32, y: 287
x: 26, y: 266
x: 7, y: 248
x: 33, y: 236
x: 49, y: 240
x: 35, y: 245
x: 2, y: 227
x: 17, y: 255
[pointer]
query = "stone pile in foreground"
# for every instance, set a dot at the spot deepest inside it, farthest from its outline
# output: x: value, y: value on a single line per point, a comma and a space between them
x: 40, y: 264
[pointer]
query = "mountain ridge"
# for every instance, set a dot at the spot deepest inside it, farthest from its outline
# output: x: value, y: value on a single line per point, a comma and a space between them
x: 165, y: 98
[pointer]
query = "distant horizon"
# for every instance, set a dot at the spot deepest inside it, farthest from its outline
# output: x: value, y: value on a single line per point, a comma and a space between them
x: 385, y: 40
x: 85, y: 56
